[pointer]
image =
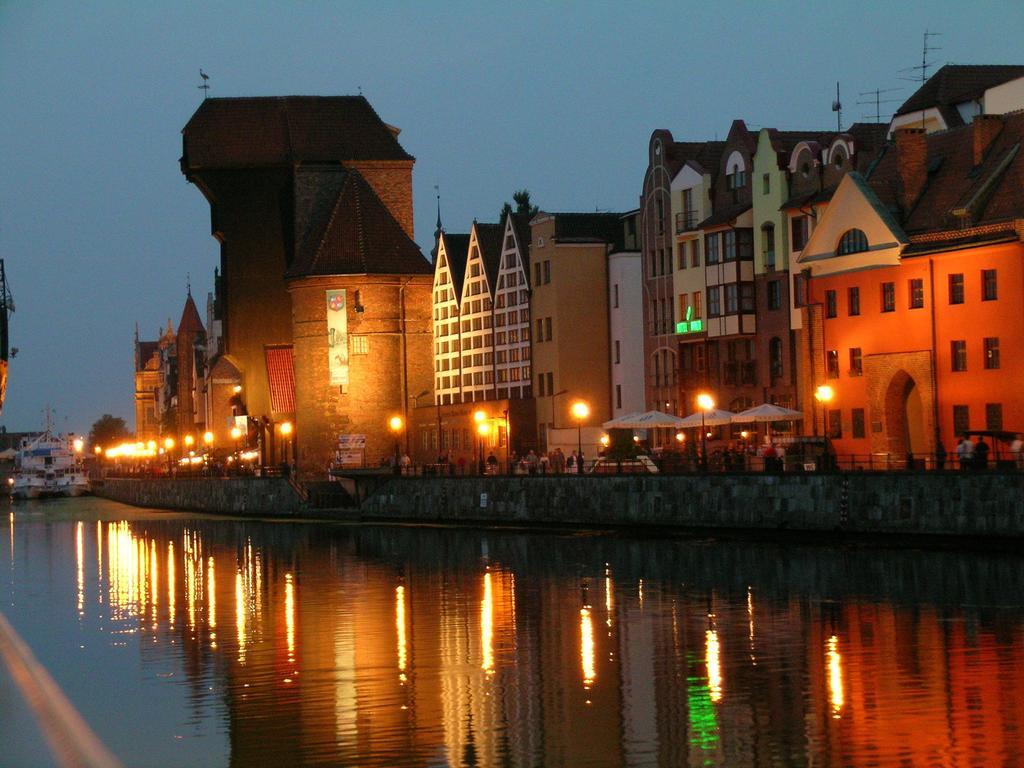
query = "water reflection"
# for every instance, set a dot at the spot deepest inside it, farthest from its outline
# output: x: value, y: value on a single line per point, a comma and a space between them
x: 378, y: 646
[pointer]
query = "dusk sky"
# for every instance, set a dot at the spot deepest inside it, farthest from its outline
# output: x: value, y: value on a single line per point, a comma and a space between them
x: 99, y: 228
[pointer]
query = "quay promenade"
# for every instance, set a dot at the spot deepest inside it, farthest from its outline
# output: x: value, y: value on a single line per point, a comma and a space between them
x: 985, y: 504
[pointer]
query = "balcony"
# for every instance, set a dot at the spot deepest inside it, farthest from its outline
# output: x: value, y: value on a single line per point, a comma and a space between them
x: 686, y: 221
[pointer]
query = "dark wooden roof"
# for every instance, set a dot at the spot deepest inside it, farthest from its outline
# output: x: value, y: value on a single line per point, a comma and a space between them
x: 489, y: 239
x: 286, y: 130
x: 456, y: 249
x: 190, y: 321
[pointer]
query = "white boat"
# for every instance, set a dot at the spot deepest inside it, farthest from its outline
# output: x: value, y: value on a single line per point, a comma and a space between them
x: 49, y: 465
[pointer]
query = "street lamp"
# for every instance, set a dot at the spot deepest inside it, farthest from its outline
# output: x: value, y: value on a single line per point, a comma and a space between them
x: 706, y: 403
x: 189, y: 441
x: 395, y: 423
x: 483, y: 429
x: 580, y: 411
x: 479, y: 417
x: 208, y: 439
x: 286, y: 433
x: 168, y: 446
x: 823, y: 395
x: 236, y: 434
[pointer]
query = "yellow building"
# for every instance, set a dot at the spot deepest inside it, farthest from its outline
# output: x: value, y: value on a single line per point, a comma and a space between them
x: 569, y: 312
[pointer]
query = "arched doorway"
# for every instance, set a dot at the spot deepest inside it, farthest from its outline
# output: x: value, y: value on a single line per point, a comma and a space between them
x: 904, y: 416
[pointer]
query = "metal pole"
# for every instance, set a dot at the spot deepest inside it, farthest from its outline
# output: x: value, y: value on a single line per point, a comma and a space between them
x: 703, y: 443
x: 579, y: 446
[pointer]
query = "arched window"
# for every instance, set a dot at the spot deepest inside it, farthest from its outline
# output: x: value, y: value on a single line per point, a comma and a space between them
x: 768, y: 246
x: 852, y: 241
x: 775, y: 357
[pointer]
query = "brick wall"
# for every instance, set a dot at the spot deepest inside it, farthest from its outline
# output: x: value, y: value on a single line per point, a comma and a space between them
x: 392, y: 181
x: 397, y: 366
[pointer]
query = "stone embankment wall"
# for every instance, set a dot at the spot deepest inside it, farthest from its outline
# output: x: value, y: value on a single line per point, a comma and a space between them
x: 952, y: 503
x: 235, y: 496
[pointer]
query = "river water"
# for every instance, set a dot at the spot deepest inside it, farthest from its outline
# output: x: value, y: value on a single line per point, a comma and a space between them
x: 187, y: 641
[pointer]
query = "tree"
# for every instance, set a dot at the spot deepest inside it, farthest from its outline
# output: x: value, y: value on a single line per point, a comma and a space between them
x: 108, y: 430
x: 521, y: 197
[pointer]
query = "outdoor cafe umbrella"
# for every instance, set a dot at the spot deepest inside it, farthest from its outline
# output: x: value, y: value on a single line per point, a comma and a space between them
x: 648, y: 420
x: 766, y: 412
x: 711, y: 418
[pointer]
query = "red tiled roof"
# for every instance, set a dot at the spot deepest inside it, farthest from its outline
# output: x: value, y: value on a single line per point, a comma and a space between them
x: 281, y: 375
x: 956, y: 83
x: 285, y: 130
x: 343, y: 228
x: 190, y: 322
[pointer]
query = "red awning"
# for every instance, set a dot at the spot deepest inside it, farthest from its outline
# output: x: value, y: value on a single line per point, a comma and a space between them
x: 281, y: 375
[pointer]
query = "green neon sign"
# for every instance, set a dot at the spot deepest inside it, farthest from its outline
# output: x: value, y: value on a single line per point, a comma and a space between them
x: 689, y: 325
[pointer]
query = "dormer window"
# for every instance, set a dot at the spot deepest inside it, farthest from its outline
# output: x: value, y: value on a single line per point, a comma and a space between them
x: 852, y: 241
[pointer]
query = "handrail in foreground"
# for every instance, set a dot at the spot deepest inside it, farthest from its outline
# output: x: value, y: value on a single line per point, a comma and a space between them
x: 72, y: 742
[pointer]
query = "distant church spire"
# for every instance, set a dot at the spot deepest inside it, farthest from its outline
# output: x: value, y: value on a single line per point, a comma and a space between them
x: 188, y: 283
x: 439, y: 229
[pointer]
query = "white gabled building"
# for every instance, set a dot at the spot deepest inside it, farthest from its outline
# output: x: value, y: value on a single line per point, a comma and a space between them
x: 449, y: 274
x: 626, y: 320
x: 476, y: 312
x: 513, y: 375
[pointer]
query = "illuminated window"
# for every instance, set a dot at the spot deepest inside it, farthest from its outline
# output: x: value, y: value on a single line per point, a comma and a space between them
x: 958, y: 352
x: 993, y: 416
x: 989, y: 288
x: 853, y: 301
x: 832, y: 363
x: 856, y: 362
x: 961, y: 419
x: 956, y: 289
x: 696, y: 304
x: 916, y: 287
x: 858, y: 422
x: 830, y: 304
x: 852, y: 241
x: 888, y: 297
x: 992, y: 353
x: 360, y: 345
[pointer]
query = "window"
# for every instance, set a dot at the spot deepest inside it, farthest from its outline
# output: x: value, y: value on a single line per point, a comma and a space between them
x: 360, y: 345
x: 858, y: 422
x: 536, y: 273
x: 830, y: 304
x: 731, y: 299
x: 766, y: 184
x: 799, y: 290
x: 856, y: 362
x: 711, y: 249
x: 961, y: 419
x: 547, y: 271
x: 956, y: 289
x: 547, y: 329
x: 916, y: 287
x: 994, y: 416
x: 989, y: 290
x: 835, y: 424
x: 681, y: 255
x: 746, y: 297
x: 958, y: 351
x: 768, y: 244
x: 852, y: 241
x: 539, y: 333
x: 696, y: 304
x: 775, y: 294
x: 714, y: 306
x: 618, y: 395
x: 615, y: 292
x: 991, y: 353
x: 853, y: 301
x: 729, y: 246
x: 832, y: 363
x: 618, y: 358
x: 695, y: 253
x: 551, y: 382
x: 775, y: 357
x: 888, y: 297
x: 799, y: 232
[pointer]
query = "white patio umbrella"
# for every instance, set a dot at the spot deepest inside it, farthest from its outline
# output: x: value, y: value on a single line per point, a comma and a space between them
x: 711, y: 418
x: 765, y: 413
x: 648, y: 420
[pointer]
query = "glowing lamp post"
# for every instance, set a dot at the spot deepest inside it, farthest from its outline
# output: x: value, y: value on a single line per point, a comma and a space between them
x: 823, y: 395
x: 236, y: 434
x: 580, y: 411
x: 705, y: 403
x: 208, y: 439
x: 78, y: 444
x: 168, y: 447
x: 286, y: 433
x: 395, y: 425
x: 483, y: 429
x: 480, y: 418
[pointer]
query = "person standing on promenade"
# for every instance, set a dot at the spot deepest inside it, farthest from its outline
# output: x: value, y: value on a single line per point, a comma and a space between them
x: 981, y: 454
x: 964, y: 452
x: 1017, y: 450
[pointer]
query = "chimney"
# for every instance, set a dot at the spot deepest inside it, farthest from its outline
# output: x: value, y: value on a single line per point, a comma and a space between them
x: 912, y: 163
x: 985, y: 129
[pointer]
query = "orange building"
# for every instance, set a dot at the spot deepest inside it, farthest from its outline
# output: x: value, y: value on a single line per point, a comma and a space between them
x: 913, y: 277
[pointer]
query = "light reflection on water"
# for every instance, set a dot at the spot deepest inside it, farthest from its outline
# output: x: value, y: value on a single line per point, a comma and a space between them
x: 197, y: 641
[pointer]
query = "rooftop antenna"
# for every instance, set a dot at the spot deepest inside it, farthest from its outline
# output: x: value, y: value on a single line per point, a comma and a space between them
x: 878, y: 101
x: 360, y: 89
x: 205, y: 87
x: 837, y: 107
x: 188, y: 283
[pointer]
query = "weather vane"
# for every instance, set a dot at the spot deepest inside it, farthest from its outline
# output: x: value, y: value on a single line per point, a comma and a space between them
x: 205, y: 87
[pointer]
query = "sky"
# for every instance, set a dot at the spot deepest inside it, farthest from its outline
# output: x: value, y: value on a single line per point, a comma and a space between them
x: 99, y: 230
